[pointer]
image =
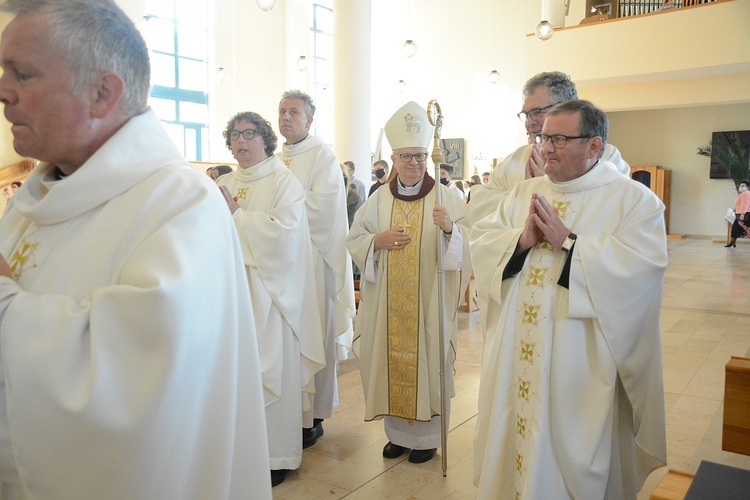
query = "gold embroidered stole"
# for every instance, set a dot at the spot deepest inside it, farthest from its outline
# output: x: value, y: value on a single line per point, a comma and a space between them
x: 403, y: 311
x: 534, y: 335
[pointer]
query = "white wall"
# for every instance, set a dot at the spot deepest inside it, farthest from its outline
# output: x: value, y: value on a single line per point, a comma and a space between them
x: 251, y: 46
x: 458, y: 45
x: 670, y: 138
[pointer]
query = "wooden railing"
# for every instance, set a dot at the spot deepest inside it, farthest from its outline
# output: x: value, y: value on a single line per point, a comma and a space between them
x: 628, y: 8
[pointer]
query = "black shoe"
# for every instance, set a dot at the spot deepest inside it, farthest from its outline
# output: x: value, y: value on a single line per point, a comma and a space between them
x: 730, y: 245
x: 393, y: 450
x: 310, y: 436
x: 421, y: 456
x: 278, y: 476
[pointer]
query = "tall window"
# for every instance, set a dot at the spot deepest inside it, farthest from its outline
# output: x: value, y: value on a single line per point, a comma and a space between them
x: 322, y: 35
x: 177, y: 35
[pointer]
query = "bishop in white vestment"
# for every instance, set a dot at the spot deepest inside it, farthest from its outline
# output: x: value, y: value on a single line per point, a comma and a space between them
x: 394, y: 240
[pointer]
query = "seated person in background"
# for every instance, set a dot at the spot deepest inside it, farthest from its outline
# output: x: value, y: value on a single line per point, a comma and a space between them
x: 741, y: 225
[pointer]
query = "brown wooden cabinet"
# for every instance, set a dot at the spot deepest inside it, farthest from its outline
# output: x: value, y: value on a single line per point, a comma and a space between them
x: 657, y: 180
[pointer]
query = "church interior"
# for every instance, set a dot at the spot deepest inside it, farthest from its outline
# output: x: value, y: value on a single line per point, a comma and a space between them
x: 667, y: 79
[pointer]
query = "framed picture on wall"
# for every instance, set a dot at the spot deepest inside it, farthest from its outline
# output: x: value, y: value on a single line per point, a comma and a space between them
x: 726, y: 146
x: 453, y: 154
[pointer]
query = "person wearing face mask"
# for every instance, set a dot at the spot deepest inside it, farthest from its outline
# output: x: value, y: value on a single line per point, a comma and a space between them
x: 446, y: 174
x: 380, y: 168
x: 540, y: 94
x: 741, y: 225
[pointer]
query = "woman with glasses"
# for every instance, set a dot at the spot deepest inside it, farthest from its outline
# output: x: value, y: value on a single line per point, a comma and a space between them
x: 268, y: 206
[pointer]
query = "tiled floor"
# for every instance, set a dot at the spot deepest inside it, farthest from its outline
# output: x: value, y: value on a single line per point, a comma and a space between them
x: 705, y: 320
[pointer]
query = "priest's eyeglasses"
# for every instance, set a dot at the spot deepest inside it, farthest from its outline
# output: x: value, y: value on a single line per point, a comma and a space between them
x: 406, y: 157
x: 558, y: 141
x: 534, y: 113
x: 235, y: 134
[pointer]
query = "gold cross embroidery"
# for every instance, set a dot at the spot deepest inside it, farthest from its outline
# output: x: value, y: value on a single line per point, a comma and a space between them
x: 528, y: 351
x: 405, y: 226
x: 519, y: 462
x: 536, y: 276
x: 521, y: 426
x: 524, y: 387
x: 561, y: 207
x: 546, y: 245
x: 242, y: 193
x: 530, y: 314
x: 20, y: 258
x: 287, y: 162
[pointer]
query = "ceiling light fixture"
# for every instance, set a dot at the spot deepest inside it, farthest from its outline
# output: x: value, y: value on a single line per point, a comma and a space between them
x: 265, y: 5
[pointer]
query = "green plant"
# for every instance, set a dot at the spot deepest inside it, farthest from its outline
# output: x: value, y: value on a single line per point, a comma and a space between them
x: 731, y: 156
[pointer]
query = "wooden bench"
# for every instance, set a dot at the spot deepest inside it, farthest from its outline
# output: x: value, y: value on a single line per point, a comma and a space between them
x: 673, y: 486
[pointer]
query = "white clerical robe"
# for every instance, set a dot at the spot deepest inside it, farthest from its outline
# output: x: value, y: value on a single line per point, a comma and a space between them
x: 129, y: 359
x: 511, y: 172
x: 374, y: 322
x: 571, y: 400
x: 316, y: 167
x: 275, y: 241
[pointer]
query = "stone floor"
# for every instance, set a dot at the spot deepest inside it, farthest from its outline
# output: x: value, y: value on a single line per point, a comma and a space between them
x: 705, y: 320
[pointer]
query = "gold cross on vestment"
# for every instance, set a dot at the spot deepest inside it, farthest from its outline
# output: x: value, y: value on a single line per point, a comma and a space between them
x: 405, y: 226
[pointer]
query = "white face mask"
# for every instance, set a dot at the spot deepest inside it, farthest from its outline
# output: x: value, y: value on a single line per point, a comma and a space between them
x: 742, y: 189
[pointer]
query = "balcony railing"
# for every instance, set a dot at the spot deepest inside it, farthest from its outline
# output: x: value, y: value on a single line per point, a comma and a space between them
x: 628, y: 8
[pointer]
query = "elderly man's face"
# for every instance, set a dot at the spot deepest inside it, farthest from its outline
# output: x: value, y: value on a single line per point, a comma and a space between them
x: 294, y: 122
x: 578, y: 155
x: 49, y: 123
x: 535, y: 105
x: 412, y: 171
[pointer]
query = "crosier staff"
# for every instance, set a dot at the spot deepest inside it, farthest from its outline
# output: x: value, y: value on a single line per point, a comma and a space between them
x: 435, y: 115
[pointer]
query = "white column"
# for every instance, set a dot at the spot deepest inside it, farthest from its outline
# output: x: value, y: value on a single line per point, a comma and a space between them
x: 351, y: 80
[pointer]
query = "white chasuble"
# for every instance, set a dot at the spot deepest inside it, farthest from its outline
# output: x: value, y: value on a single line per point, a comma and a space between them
x: 275, y: 241
x: 571, y: 398
x: 396, y: 338
x: 128, y: 350
x: 317, y: 169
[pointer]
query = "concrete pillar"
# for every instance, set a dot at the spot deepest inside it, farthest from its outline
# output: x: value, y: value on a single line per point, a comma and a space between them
x: 351, y: 80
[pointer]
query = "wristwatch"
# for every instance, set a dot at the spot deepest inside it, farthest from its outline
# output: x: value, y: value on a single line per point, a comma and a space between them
x: 568, y: 242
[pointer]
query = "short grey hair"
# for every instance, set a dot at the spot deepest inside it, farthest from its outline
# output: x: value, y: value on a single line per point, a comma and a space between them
x: 298, y: 94
x: 594, y: 121
x: 560, y: 86
x: 95, y: 37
